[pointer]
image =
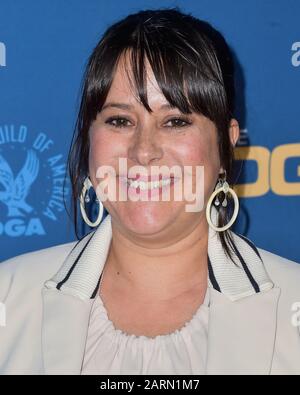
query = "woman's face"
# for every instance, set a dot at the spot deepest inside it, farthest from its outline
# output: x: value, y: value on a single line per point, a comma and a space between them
x: 163, y: 137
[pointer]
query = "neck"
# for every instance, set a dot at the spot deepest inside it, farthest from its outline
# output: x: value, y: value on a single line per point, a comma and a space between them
x: 162, y: 273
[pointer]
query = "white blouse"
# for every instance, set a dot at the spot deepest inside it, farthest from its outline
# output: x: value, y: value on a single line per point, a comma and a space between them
x: 111, y: 351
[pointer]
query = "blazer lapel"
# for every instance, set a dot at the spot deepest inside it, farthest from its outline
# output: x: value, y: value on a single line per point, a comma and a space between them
x: 64, y: 331
x: 243, y: 309
x: 241, y: 333
x: 67, y: 302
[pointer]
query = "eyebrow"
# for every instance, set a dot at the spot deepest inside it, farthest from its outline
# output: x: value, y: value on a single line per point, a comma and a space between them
x: 124, y: 106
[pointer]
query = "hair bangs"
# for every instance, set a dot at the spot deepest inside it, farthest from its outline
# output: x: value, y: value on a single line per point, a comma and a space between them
x: 187, y: 80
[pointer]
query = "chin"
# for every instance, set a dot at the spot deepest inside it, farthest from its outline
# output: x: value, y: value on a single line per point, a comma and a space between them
x: 145, y: 218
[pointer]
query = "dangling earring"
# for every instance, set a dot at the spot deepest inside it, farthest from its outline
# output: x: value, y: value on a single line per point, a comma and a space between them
x: 222, y: 186
x: 84, y: 197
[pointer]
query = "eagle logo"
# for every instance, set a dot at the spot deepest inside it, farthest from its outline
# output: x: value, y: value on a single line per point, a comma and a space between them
x: 15, y: 190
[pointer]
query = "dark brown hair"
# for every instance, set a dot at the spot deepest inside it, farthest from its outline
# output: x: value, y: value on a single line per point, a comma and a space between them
x: 193, y: 66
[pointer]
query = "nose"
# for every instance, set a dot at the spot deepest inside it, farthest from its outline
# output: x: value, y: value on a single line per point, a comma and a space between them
x: 145, y: 148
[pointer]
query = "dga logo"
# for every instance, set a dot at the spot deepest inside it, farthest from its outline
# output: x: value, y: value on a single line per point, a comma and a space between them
x: 296, y: 55
x: 2, y: 55
x: 31, y: 182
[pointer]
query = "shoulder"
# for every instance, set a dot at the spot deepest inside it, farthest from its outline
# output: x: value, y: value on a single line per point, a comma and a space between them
x: 283, y: 272
x: 33, y: 268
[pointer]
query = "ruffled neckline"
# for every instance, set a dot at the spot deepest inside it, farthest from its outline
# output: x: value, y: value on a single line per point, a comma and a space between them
x: 99, y: 312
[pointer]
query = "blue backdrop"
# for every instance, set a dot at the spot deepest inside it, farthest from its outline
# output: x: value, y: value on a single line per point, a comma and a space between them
x: 43, y: 49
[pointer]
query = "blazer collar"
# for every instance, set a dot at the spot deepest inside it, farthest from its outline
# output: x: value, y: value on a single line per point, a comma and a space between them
x: 80, y: 273
x: 235, y: 289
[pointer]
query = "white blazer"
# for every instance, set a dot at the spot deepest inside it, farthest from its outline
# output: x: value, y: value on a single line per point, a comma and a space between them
x: 48, y: 296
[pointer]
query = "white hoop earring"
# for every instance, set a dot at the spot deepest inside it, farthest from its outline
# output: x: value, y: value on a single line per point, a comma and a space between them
x: 86, y: 186
x: 222, y: 186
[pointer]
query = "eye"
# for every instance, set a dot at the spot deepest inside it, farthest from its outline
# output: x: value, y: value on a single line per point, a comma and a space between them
x: 179, y: 122
x: 117, y: 122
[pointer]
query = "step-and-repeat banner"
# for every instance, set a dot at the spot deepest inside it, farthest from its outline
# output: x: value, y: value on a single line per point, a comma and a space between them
x: 44, y: 46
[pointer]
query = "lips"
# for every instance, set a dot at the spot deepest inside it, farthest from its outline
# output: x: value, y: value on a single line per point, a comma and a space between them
x: 150, y: 178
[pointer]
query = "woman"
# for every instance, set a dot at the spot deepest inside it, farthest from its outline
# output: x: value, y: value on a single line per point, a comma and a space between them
x: 157, y: 288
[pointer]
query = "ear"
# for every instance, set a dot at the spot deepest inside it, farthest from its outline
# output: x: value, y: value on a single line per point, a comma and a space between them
x: 234, y: 131
x: 234, y: 134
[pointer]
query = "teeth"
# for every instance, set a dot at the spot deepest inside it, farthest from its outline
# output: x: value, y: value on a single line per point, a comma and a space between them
x: 144, y: 185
